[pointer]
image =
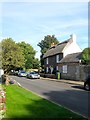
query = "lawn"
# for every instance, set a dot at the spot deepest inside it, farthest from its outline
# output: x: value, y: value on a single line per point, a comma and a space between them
x: 21, y: 103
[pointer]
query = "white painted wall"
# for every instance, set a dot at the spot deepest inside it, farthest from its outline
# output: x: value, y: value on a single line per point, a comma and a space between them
x: 71, y: 47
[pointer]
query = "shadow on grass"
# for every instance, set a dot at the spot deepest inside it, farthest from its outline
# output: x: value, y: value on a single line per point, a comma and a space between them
x: 43, y: 109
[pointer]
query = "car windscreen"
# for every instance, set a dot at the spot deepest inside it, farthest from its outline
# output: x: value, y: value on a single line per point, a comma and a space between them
x: 32, y: 73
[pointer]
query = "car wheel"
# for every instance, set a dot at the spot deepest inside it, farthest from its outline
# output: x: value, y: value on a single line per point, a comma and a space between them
x: 87, y: 87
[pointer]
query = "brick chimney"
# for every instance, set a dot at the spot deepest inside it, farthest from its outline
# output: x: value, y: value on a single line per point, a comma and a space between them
x: 52, y: 44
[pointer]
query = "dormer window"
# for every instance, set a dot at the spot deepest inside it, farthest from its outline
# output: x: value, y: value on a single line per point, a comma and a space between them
x: 46, y: 60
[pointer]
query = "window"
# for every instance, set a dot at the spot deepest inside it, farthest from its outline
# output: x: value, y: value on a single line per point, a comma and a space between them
x: 56, y: 67
x: 46, y: 69
x: 46, y: 60
x: 65, y: 69
x: 57, y: 58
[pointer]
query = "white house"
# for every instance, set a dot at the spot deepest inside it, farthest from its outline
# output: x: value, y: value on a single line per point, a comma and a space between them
x: 57, y: 52
x: 71, y: 47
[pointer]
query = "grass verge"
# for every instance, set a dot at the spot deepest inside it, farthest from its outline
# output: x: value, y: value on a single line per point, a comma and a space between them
x: 21, y: 103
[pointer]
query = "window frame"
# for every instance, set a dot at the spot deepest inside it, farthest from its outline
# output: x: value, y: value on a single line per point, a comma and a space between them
x: 47, y: 61
x: 57, y: 58
x: 64, y: 68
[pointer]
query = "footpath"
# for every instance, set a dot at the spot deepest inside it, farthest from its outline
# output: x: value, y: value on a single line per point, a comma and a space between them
x: 65, y: 81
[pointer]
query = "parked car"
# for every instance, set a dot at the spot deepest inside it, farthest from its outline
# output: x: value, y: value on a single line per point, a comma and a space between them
x: 33, y: 75
x: 87, y: 83
x: 22, y: 73
x: 16, y: 72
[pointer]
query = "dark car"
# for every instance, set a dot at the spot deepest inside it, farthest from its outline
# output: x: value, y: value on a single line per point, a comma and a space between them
x: 87, y: 83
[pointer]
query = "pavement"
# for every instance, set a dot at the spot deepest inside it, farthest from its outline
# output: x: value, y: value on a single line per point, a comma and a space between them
x: 65, y: 81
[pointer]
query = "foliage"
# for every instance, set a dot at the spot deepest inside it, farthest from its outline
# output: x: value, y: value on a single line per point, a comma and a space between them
x: 29, y: 54
x: 17, y: 55
x: 46, y: 43
x: 24, y: 104
x: 12, y: 55
x: 36, y: 63
x: 86, y: 56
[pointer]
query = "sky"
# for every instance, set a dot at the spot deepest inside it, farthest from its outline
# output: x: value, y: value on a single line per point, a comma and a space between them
x: 31, y: 21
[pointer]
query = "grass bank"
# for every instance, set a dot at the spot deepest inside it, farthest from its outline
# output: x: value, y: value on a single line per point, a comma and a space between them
x: 21, y: 103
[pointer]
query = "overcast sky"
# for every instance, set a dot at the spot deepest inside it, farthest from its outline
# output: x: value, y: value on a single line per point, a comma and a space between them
x: 31, y: 21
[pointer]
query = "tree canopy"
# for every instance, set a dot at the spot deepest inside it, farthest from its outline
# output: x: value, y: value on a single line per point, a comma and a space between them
x: 29, y: 54
x: 12, y: 55
x: 17, y: 55
x: 86, y: 56
x: 46, y: 43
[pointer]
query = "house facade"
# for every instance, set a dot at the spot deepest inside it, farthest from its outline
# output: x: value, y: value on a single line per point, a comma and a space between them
x: 69, y: 66
x: 54, y: 56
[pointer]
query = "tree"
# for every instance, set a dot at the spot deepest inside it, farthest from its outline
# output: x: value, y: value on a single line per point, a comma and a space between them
x: 86, y: 56
x: 36, y: 63
x: 29, y: 54
x: 12, y: 55
x: 46, y: 44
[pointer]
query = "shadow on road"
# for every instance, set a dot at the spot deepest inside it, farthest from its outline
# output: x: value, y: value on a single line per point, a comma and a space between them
x: 75, y: 100
x: 78, y: 86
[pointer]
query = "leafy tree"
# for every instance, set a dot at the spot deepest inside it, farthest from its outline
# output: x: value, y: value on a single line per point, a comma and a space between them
x: 36, y: 63
x: 46, y: 43
x: 12, y: 55
x: 29, y: 54
x: 86, y: 56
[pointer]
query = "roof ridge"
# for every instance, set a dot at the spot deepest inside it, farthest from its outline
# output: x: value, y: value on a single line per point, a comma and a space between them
x: 66, y: 41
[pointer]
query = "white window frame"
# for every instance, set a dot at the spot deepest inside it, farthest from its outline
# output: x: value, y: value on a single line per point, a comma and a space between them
x: 56, y: 67
x: 47, y: 61
x: 57, y: 58
x: 64, y: 68
x: 47, y: 69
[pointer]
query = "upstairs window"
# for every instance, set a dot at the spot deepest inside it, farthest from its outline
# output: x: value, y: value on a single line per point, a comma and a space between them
x: 46, y: 60
x: 57, y: 58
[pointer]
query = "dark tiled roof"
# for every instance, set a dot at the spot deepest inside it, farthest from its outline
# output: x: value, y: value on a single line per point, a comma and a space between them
x: 72, y: 58
x: 56, y: 49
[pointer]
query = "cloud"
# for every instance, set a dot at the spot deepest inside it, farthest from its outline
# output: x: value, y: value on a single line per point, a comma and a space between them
x: 31, y: 21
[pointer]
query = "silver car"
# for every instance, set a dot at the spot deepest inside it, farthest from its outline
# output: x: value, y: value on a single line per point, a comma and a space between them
x: 22, y: 74
x: 33, y: 75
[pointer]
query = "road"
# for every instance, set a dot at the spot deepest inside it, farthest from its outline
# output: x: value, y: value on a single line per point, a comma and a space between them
x: 68, y: 95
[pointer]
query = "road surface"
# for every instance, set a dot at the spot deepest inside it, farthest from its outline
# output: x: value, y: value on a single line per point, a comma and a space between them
x: 70, y: 96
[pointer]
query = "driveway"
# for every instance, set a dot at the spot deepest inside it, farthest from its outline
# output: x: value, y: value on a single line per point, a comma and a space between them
x: 70, y: 96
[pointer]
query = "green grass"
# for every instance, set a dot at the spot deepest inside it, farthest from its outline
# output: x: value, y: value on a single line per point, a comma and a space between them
x: 21, y: 103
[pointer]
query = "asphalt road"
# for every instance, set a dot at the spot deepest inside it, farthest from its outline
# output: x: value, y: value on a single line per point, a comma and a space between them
x: 70, y: 96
